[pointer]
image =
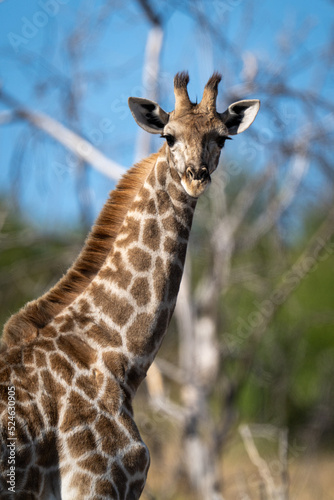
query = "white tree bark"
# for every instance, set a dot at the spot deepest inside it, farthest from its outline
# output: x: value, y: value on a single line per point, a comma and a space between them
x: 150, y: 80
x: 82, y: 148
x: 72, y: 141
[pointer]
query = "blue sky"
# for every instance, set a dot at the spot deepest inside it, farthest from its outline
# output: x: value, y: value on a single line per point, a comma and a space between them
x: 32, y: 50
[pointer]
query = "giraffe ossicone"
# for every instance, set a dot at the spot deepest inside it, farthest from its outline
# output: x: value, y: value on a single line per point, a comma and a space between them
x: 72, y: 378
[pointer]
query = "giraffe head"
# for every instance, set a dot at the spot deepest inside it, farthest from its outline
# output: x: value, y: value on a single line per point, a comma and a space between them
x: 195, y: 133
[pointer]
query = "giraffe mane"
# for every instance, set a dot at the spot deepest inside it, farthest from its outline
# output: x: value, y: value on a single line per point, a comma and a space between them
x: 26, y: 323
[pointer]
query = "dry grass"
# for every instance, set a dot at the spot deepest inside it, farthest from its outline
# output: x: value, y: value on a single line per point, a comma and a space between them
x: 310, y: 477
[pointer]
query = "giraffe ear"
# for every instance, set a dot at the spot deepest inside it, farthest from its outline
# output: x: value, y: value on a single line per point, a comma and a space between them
x: 148, y: 114
x: 240, y: 115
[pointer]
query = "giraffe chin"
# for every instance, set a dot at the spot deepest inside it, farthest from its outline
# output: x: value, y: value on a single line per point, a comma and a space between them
x: 195, y: 188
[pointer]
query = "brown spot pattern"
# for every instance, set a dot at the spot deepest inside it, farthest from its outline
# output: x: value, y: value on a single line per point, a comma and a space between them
x: 31, y: 414
x: 104, y: 488
x: 140, y: 291
x: 162, y: 169
x: 22, y: 395
x: 38, y: 313
x: 15, y: 356
x: 121, y: 276
x: 139, y: 334
x: 151, y: 208
x: 28, y: 355
x: 140, y: 203
x: 22, y: 433
x: 163, y: 202
x: 170, y: 224
x: 151, y: 179
x: 50, y: 331
x: 136, y: 460
x: 173, y: 247
x: 130, y: 426
x: 112, y: 437
x: 84, y: 306
x: 89, y: 385
x: 40, y: 358
x: 51, y: 386
x: 77, y: 411
x: 151, y: 234
x: 159, y: 280
x: 170, y: 245
x: 131, y: 228
x: 104, y: 336
x: 82, y: 482
x: 119, y: 478
x: 185, y: 216
x: 68, y: 324
x: 95, y: 463
x: 81, y: 442
x: 62, y: 367
x: 177, y: 194
x: 116, y: 307
x: 50, y: 409
x: 116, y: 362
x: 46, y: 344
x: 139, y: 259
x: 31, y: 382
x: 111, y: 398
x: 77, y: 350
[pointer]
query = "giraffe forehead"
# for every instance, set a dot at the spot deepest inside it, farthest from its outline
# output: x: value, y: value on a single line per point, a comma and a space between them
x: 194, y: 126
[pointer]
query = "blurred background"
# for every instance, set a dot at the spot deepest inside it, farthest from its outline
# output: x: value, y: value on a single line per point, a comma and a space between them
x: 239, y: 403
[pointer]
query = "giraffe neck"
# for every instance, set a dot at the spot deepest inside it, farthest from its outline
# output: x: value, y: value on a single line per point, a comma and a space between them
x: 35, y: 315
x: 125, y: 311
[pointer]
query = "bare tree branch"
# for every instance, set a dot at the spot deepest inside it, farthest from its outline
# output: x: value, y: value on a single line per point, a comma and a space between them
x: 279, y: 204
x: 260, y: 463
x: 151, y: 15
x: 150, y: 74
x: 82, y: 148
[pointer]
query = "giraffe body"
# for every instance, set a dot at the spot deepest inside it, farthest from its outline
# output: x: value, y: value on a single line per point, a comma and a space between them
x: 74, y: 381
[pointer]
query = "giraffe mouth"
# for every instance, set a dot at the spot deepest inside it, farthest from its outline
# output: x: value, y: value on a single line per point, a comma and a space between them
x: 195, y: 181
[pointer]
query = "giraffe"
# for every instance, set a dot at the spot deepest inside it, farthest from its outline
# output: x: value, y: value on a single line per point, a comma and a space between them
x: 70, y: 384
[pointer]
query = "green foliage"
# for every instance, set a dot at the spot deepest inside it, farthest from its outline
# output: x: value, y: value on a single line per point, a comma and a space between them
x: 291, y: 358
x: 30, y: 262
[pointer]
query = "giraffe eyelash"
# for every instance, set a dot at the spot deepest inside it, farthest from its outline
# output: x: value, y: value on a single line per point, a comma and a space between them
x: 221, y: 140
x: 169, y: 138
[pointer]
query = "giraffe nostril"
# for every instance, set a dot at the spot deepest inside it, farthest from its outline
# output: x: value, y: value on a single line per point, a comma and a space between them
x: 190, y: 173
x: 204, y: 173
x: 200, y: 174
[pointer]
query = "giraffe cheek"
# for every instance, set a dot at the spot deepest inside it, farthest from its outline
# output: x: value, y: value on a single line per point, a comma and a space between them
x: 178, y: 160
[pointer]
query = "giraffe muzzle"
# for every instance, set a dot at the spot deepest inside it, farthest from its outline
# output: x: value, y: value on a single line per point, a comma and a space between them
x: 195, y: 180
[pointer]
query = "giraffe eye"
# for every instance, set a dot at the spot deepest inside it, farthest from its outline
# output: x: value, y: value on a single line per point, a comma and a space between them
x: 170, y: 139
